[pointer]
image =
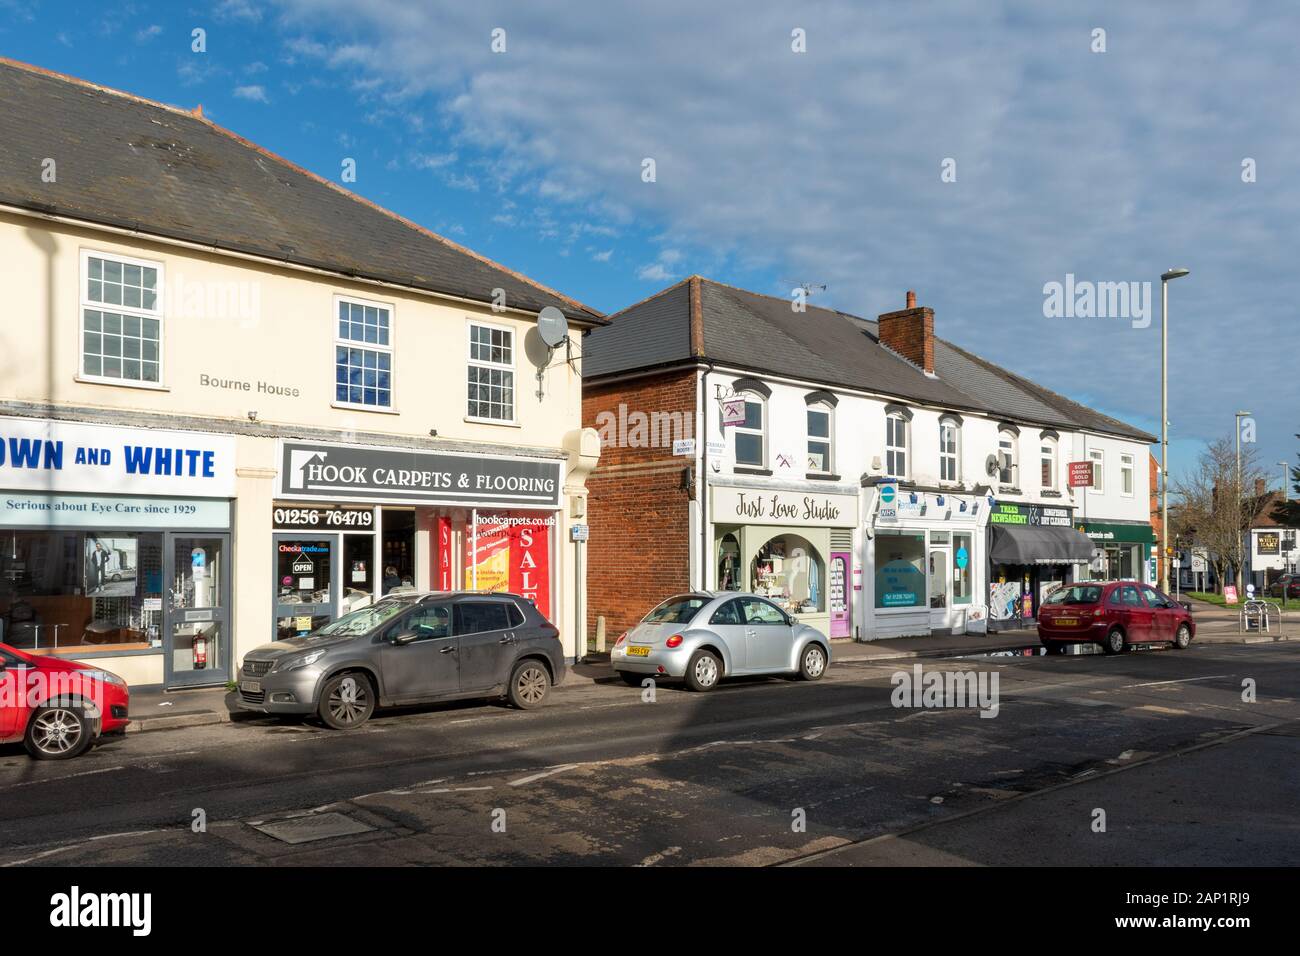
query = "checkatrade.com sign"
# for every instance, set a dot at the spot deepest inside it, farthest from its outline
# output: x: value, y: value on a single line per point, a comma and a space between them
x: 56, y: 456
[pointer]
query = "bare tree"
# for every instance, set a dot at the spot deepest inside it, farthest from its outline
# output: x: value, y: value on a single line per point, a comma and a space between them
x: 1215, y: 510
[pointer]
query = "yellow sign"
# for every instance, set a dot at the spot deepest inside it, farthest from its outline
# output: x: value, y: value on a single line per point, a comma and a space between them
x: 302, y: 622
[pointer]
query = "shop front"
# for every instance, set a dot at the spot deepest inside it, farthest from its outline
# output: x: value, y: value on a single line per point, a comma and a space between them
x: 1033, y: 550
x: 116, y: 548
x: 793, y: 547
x: 922, y: 555
x: 1126, y: 549
x: 352, y: 523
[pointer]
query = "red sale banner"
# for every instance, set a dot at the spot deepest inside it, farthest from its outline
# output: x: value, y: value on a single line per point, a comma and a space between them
x: 511, y: 555
x: 444, y: 554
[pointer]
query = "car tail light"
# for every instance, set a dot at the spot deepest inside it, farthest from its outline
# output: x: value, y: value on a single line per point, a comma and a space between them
x: 1099, y: 612
x: 621, y: 638
x: 675, y: 641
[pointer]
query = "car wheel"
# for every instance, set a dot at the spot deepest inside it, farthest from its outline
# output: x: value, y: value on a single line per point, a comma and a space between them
x: 1183, y: 637
x: 632, y: 680
x: 703, y: 672
x: 58, y: 733
x: 346, y: 701
x: 812, y: 665
x: 1114, y: 643
x: 529, y: 685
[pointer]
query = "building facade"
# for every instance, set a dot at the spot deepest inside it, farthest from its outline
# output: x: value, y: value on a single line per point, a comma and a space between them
x: 221, y: 425
x: 870, y: 477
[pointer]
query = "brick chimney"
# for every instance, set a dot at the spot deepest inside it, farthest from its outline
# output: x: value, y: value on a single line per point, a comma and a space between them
x: 1260, y: 487
x: 910, y: 333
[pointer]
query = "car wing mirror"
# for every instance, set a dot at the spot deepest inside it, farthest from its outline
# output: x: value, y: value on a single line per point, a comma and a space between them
x: 405, y: 637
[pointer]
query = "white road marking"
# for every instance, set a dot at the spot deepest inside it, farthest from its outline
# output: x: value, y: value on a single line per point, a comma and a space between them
x: 66, y: 776
x: 1186, y: 680
x: 72, y: 846
x: 545, y: 773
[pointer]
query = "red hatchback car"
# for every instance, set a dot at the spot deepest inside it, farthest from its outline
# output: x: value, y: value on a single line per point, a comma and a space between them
x: 57, y: 708
x: 1113, y: 614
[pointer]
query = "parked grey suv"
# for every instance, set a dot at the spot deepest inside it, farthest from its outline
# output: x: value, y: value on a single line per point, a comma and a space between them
x: 408, y: 649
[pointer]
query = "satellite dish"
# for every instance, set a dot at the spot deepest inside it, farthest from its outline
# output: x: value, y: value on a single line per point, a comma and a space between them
x: 552, y: 326
x: 991, y: 465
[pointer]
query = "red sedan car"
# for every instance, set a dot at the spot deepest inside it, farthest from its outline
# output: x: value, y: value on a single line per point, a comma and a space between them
x: 57, y: 708
x: 1114, y: 614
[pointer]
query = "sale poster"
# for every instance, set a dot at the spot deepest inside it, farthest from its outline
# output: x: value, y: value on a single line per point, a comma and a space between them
x: 510, y: 554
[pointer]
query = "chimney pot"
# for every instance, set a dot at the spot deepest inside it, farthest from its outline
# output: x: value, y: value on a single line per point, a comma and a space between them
x: 911, y: 299
x: 910, y: 333
x: 1259, y: 487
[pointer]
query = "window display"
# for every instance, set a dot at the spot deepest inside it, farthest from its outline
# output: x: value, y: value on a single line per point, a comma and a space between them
x: 900, y: 569
x: 61, y: 591
x: 788, y: 571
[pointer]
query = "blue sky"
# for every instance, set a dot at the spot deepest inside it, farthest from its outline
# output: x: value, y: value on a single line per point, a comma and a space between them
x: 775, y: 167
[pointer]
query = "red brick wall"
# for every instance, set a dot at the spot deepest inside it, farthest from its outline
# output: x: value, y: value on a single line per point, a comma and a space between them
x: 910, y: 333
x: 638, y: 552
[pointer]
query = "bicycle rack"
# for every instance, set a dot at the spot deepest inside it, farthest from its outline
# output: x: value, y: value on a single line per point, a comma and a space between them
x: 1258, y: 616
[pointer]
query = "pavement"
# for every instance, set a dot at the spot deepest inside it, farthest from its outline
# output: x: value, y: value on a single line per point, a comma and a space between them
x: 1153, y: 757
x: 156, y: 709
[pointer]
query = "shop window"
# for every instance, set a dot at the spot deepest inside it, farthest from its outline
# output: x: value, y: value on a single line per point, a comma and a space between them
x: 751, y: 435
x: 73, y: 591
x: 963, y: 559
x: 1126, y: 475
x: 491, y: 373
x: 820, y: 461
x: 1049, y: 463
x: 1007, y: 465
x: 729, y: 563
x: 121, y: 320
x: 949, y: 438
x: 363, y: 354
x: 900, y: 569
x: 788, y: 571
x: 896, y: 445
x: 1098, y: 459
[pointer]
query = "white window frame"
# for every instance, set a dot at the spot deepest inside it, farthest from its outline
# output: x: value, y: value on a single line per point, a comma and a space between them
x: 953, y: 456
x: 158, y: 312
x: 1008, y: 437
x: 1127, y: 467
x: 822, y: 408
x: 1098, y: 458
x: 892, y: 449
x: 1048, y: 453
x: 761, y: 401
x: 512, y: 368
x: 336, y: 341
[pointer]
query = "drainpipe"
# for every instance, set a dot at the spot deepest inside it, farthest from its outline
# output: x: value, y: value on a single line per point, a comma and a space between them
x: 704, y: 475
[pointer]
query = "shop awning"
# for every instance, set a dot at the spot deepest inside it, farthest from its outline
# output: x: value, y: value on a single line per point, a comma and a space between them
x: 1023, y: 544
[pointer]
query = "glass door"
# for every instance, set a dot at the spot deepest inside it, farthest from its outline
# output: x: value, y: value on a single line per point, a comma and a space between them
x: 307, y: 578
x: 197, y: 619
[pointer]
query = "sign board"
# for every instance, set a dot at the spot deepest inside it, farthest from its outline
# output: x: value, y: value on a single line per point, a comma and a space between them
x: 1004, y: 512
x: 1080, y: 474
x: 683, y: 446
x: 759, y: 506
x: 122, y: 514
x: 303, y: 565
x: 1199, y: 561
x: 322, y: 518
x: 716, y: 449
x: 889, y: 502
x: 414, y: 476
x: 579, y: 532
x: 41, y: 454
x: 1268, y: 542
x: 733, y: 411
x: 1230, y: 594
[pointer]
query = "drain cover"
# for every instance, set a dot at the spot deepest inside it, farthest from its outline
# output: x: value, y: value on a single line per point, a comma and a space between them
x: 318, y: 826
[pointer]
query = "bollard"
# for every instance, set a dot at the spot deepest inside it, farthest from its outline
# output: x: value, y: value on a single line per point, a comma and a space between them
x: 600, y: 634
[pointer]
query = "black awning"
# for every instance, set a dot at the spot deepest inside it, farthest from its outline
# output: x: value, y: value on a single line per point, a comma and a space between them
x: 1022, y: 544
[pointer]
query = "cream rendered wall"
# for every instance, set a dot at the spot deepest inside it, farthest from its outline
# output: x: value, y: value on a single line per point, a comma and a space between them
x: 276, y: 326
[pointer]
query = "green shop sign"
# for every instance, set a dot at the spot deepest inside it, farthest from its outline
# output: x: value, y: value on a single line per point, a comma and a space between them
x: 1110, y: 531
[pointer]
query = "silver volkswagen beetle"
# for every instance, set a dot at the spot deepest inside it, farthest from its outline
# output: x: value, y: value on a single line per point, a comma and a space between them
x: 705, y: 636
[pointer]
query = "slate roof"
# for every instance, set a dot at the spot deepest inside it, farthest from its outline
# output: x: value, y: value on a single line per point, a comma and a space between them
x: 128, y: 162
x: 762, y: 333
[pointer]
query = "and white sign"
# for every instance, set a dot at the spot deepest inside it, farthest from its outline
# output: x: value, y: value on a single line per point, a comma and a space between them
x: 794, y: 508
x: 888, y: 502
x: 579, y: 532
x: 109, y: 511
x: 684, y: 446
x: 733, y: 411
x: 57, y: 456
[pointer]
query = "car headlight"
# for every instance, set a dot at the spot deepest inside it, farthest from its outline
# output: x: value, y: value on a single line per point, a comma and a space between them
x: 304, y: 660
x: 108, y: 677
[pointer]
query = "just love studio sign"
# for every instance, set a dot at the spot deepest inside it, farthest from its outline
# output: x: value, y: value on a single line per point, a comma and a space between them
x: 310, y: 470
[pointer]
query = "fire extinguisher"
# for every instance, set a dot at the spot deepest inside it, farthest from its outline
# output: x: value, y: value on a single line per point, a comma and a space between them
x: 200, y: 649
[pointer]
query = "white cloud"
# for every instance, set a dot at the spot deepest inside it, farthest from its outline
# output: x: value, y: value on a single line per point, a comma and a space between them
x: 253, y: 92
x: 602, y: 256
x: 238, y: 10
x: 148, y: 33
x: 653, y: 272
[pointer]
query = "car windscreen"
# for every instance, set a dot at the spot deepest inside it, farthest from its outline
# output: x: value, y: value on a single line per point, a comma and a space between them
x: 1075, y: 594
x: 676, y: 610
x: 366, y: 619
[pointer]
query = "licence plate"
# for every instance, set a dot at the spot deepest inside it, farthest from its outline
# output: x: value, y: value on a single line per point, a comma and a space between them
x: 1066, y: 621
x: 638, y: 652
x: 251, y: 686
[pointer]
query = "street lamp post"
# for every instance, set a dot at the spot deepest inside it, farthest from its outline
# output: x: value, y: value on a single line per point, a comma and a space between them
x: 1241, y: 556
x: 1165, y: 279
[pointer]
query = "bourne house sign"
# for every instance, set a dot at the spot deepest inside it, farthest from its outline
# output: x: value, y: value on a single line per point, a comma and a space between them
x: 408, y: 476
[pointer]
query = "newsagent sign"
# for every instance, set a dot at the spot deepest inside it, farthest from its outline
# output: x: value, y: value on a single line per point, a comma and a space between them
x: 1006, y: 512
x: 410, y: 476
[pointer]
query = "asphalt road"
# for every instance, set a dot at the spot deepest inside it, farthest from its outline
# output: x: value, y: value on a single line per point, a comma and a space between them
x: 758, y: 772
